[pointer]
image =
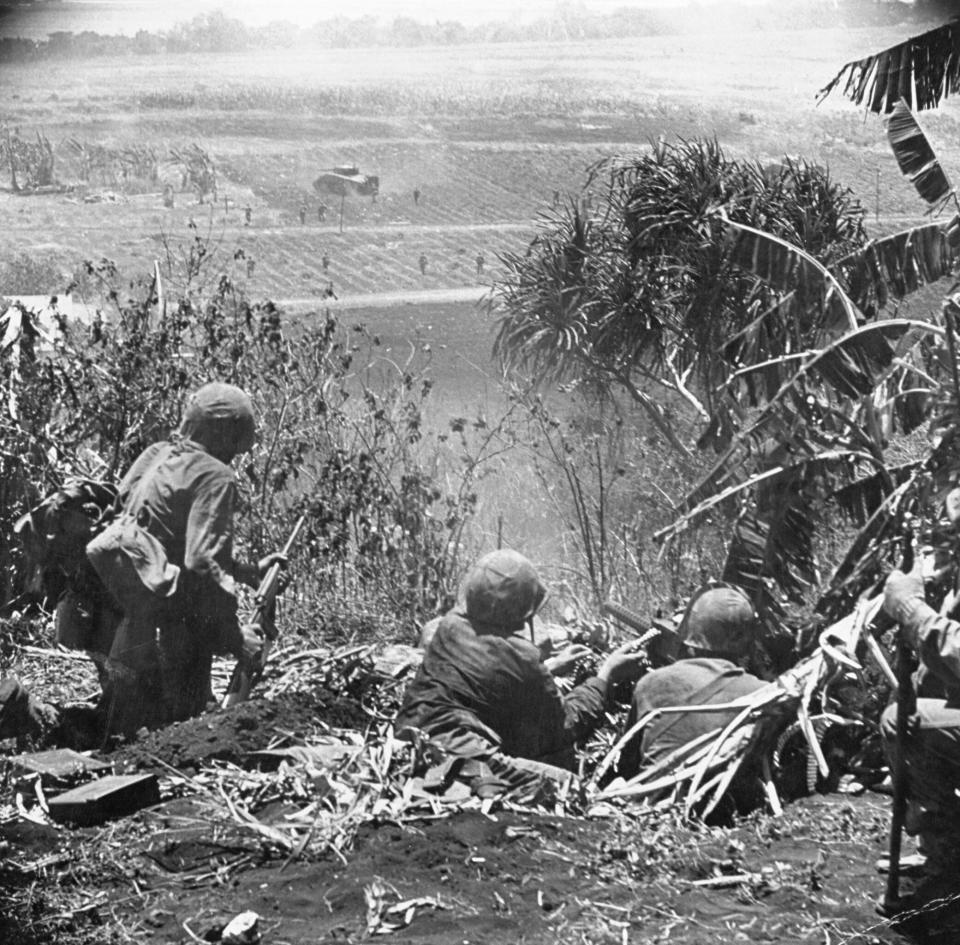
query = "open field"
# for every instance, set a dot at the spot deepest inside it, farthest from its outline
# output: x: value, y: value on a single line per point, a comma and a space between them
x: 487, y: 135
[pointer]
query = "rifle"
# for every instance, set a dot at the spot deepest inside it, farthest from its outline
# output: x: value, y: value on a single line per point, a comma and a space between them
x: 906, y: 707
x: 245, y: 677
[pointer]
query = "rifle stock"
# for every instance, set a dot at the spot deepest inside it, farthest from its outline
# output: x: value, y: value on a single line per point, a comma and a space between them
x: 246, y: 676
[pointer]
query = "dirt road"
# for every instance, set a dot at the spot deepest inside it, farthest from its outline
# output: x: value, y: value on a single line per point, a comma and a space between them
x: 388, y: 299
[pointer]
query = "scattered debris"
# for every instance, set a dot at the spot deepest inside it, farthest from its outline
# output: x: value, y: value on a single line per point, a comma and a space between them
x: 59, y: 765
x: 242, y: 929
x: 383, y: 918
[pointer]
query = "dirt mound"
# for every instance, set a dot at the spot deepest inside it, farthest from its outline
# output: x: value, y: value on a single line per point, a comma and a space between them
x: 807, y: 877
x: 506, y: 878
x: 228, y: 734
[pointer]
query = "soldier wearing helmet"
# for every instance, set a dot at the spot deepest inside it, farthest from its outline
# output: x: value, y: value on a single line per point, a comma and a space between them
x: 718, y: 632
x: 483, y: 691
x: 168, y: 560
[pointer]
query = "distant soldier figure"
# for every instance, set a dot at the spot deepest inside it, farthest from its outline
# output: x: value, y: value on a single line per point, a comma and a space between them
x: 423, y: 264
x: 251, y: 265
x: 322, y: 212
x: 416, y: 196
x: 556, y: 198
x: 247, y: 215
x: 328, y: 292
x: 480, y: 262
x: 168, y: 197
x: 303, y: 214
x: 325, y: 262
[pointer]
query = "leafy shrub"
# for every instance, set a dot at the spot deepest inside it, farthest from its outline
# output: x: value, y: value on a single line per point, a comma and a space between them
x: 385, y: 530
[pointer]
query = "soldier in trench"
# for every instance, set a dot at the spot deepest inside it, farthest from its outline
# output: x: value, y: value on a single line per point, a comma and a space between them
x: 718, y: 634
x: 484, y: 695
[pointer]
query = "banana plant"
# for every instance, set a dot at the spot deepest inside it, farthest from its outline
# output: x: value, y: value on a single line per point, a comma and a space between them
x: 921, y: 71
x: 827, y: 412
x: 757, y: 300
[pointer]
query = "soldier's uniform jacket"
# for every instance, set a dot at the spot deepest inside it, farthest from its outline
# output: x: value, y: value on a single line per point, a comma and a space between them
x: 696, y: 681
x: 477, y: 693
x: 186, y: 499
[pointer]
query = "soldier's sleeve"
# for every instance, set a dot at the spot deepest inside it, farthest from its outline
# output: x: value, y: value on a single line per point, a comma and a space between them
x: 572, y: 717
x: 938, y: 640
x: 584, y: 707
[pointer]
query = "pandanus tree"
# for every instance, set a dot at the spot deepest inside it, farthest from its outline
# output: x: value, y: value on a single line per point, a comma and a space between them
x: 752, y: 295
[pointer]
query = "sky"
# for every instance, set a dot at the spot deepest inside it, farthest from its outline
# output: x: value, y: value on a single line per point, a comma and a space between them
x: 467, y: 11
x: 127, y: 16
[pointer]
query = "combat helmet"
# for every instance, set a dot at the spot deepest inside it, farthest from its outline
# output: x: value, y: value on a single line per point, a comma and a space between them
x: 220, y: 418
x: 503, y: 590
x: 721, y: 620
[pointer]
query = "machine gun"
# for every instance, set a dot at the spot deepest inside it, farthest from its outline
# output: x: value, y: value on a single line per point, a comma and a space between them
x: 659, y: 636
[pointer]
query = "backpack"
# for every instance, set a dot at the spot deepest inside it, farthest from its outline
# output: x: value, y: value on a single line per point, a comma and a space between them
x: 54, y: 535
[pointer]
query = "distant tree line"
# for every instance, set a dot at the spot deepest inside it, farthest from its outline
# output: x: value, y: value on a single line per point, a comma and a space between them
x: 217, y: 32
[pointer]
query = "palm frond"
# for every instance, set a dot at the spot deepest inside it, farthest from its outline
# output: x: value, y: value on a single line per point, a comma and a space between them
x: 915, y: 155
x: 922, y: 70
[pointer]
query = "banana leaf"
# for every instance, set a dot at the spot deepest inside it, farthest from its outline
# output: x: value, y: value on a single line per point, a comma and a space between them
x: 894, y: 266
x: 853, y: 362
x: 915, y: 155
x: 860, y: 499
x: 788, y: 268
x: 922, y: 70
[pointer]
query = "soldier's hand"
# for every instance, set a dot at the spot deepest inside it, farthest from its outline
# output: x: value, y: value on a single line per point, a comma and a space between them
x: 268, y: 561
x: 566, y: 659
x: 251, y: 646
x: 251, y: 574
x: 625, y: 662
x: 901, y: 589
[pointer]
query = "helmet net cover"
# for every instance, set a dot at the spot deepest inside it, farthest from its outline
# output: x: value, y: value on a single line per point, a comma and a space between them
x: 503, y: 589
